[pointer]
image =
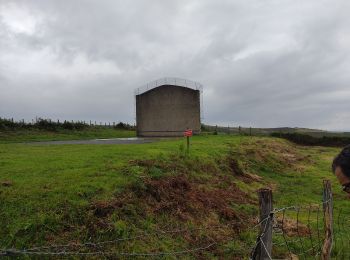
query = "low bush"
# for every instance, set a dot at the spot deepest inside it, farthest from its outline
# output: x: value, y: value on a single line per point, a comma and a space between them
x: 124, y: 126
x: 304, y: 139
x: 49, y: 125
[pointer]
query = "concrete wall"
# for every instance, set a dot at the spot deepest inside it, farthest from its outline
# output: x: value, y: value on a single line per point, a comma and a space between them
x: 167, y: 111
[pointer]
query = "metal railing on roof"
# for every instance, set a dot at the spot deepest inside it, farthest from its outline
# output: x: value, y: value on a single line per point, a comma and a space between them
x: 169, y: 81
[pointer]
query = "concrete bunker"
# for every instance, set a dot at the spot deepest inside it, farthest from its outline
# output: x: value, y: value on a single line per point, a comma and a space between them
x: 167, y: 107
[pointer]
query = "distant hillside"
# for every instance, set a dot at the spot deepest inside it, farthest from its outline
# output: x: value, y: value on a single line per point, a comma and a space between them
x: 269, y: 131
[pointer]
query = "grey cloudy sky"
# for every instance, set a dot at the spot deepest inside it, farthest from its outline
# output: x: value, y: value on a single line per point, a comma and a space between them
x: 263, y: 63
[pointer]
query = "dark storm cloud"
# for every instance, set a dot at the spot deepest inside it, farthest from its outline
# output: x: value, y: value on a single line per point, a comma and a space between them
x: 262, y: 63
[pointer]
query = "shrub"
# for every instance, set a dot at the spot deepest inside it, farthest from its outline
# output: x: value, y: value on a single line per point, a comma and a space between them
x: 124, y: 126
x: 6, y: 124
x: 305, y: 139
x: 42, y: 124
x: 49, y: 125
x: 46, y: 124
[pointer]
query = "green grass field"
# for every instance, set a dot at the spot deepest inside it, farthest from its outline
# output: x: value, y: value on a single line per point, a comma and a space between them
x: 35, y: 135
x: 78, y: 193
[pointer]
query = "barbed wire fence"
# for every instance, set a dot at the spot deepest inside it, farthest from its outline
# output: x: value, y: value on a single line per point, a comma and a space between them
x: 98, y: 248
x: 293, y: 232
x: 302, y: 231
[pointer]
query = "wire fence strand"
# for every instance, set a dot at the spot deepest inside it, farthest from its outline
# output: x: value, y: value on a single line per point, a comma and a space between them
x: 296, y: 230
x: 303, y: 222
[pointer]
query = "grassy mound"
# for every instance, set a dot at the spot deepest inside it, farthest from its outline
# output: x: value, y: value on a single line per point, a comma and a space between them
x: 153, y: 197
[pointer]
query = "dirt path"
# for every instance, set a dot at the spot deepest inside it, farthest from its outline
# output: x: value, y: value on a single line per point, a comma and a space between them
x: 133, y: 140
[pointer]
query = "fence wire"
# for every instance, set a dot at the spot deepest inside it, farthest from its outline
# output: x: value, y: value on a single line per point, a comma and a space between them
x: 298, y: 232
x: 99, y: 248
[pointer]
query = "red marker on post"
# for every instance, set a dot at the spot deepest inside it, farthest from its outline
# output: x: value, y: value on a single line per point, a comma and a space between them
x: 188, y: 133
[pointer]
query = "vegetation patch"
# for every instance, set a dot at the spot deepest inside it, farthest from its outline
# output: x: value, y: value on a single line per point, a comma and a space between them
x: 305, y: 139
x: 6, y: 183
x: 189, y: 201
x: 156, y: 197
x: 291, y: 227
x: 37, y: 135
x: 179, y: 191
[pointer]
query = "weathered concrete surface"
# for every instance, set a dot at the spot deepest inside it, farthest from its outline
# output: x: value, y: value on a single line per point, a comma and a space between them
x: 98, y: 141
x: 168, y: 110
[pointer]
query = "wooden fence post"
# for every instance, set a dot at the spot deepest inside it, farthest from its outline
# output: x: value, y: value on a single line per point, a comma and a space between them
x: 264, y: 248
x: 328, y: 220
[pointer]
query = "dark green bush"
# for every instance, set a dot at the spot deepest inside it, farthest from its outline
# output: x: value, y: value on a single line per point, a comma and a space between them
x: 42, y: 124
x: 124, y: 126
x: 6, y: 124
x: 49, y: 125
x: 304, y: 139
x: 46, y: 124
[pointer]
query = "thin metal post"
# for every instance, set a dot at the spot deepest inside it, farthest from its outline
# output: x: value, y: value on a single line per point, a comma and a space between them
x: 188, y: 144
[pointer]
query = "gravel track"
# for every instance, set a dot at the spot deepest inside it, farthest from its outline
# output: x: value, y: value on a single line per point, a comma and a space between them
x: 133, y: 140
